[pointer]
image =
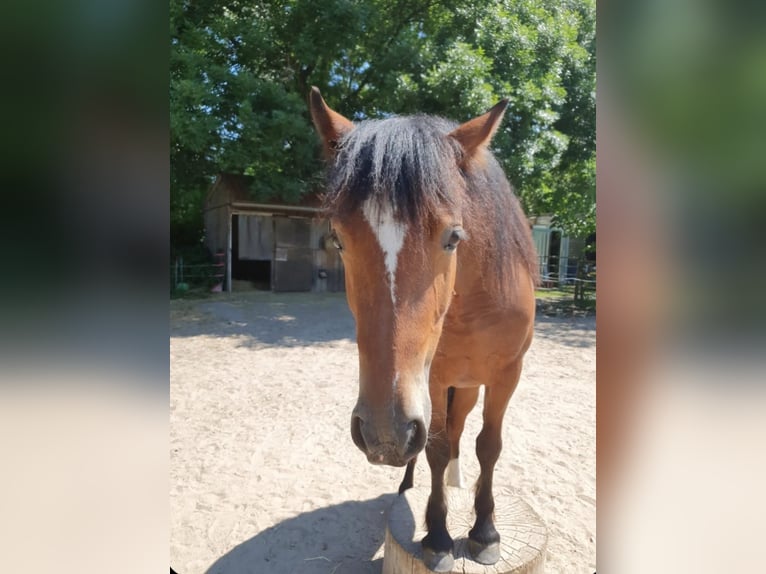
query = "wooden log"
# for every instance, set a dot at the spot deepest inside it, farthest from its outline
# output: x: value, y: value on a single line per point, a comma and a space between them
x: 523, y: 536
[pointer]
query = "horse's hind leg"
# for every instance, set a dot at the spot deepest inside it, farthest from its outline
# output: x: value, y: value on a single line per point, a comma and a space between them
x: 461, y: 404
x: 408, y: 475
x: 484, y: 540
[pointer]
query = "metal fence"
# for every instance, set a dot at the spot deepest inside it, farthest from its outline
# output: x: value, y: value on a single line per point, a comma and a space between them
x: 568, y: 273
x: 208, y: 275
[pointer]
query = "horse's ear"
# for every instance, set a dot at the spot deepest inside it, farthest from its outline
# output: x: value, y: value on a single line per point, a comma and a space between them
x: 330, y: 124
x: 476, y: 134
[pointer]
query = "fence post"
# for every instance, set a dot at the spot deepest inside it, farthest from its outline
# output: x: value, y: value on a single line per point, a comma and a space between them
x: 579, y: 292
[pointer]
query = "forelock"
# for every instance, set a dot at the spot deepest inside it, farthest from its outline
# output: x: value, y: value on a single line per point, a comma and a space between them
x: 407, y: 163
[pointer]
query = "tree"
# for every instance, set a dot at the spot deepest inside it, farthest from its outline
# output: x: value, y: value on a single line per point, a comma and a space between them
x: 240, y: 73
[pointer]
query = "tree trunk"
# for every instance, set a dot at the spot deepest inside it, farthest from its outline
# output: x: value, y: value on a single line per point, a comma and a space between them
x: 523, y: 536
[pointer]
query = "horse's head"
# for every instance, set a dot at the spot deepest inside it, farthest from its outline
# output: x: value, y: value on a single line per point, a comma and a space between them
x: 396, y: 200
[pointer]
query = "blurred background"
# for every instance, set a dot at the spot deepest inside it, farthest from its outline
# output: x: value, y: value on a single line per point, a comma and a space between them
x: 117, y: 116
x: 83, y: 296
x: 681, y: 363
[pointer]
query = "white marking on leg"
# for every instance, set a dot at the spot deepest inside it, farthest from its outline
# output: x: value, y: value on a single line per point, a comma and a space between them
x: 454, y: 476
x: 390, y: 234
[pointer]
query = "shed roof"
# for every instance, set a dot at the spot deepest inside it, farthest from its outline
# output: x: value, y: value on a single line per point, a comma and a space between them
x: 233, y: 190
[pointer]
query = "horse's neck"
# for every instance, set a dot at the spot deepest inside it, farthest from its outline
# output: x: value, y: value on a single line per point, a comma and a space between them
x: 470, y: 270
x: 474, y: 294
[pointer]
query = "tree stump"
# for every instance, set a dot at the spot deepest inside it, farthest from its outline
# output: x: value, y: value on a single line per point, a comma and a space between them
x: 523, y: 536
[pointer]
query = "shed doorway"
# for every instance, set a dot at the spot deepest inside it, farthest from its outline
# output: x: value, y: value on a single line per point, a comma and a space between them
x: 554, y: 255
x: 252, y: 248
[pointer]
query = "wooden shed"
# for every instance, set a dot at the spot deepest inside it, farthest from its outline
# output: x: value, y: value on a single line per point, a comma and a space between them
x: 268, y: 245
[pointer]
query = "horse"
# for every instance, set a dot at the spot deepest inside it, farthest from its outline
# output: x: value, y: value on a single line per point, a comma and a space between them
x: 440, y: 273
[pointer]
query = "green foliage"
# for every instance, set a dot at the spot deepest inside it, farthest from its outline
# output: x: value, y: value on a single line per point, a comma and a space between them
x: 240, y: 73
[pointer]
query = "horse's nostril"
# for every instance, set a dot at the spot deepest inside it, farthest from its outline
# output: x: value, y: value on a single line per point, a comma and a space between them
x: 412, y: 430
x: 356, y: 433
x: 416, y: 436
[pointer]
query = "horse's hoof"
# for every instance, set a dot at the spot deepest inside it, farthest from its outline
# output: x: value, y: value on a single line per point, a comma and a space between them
x: 438, y: 561
x: 487, y: 554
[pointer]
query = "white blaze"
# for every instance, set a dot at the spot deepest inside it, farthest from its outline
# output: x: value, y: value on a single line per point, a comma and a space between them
x: 390, y: 234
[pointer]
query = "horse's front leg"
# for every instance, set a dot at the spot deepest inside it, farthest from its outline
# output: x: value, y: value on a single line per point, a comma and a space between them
x: 437, y: 544
x: 483, y: 539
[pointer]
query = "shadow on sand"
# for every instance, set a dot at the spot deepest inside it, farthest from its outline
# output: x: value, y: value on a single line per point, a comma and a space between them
x: 261, y: 320
x: 339, y: 539
x: 571, y: 331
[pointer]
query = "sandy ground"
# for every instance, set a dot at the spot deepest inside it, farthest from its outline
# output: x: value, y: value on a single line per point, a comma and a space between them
x: 264, y: 476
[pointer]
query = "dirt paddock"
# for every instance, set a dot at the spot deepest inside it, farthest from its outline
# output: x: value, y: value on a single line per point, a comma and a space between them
x: 264, y: 477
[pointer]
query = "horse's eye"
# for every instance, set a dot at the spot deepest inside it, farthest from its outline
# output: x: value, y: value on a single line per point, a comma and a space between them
x: 455, y: 236
x: 336, y: 241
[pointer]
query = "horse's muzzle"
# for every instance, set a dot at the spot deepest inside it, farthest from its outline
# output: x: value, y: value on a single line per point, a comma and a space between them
x: 394, y: 445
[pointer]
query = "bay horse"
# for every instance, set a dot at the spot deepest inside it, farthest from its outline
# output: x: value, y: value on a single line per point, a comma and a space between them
x: 440, y: 273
